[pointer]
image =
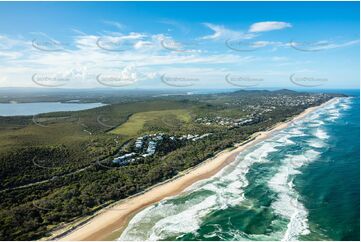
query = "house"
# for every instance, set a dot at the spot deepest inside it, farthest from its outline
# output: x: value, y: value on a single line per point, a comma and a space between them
x: 123, y: 158
x: 151, y: 147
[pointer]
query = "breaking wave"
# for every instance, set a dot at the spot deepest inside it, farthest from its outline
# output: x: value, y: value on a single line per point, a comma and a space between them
x: 285, y: 153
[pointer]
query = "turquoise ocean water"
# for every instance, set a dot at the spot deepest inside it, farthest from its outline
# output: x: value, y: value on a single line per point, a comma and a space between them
x: 303, y: 183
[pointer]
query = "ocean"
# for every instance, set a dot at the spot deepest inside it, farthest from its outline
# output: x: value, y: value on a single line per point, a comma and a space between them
x: 302, y: 183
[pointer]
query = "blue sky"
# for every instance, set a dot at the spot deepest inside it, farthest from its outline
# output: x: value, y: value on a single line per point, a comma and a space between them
x: 180, y: 44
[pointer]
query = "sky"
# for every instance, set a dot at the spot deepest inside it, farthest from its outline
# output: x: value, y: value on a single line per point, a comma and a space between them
x: 155, y: 45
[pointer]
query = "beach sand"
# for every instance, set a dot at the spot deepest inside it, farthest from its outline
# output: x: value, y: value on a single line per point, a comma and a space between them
x: 108, y: 224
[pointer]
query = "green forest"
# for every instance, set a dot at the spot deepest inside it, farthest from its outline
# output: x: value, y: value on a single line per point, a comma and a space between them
x: 57, y: 168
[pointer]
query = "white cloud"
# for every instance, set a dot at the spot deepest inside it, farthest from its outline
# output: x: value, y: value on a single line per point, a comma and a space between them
x: 86, y: 41
x: 115, y: 24
x: 138, y: 56
x: 82, y: 60
x: 10, y: 54
x: 268, y: 26
x: 321, y: 45
x: 221, y: 32
x: 7, y: 43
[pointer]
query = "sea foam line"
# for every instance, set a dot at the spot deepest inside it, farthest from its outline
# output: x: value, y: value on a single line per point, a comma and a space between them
x: 287, y: 204
x: 170, y: 219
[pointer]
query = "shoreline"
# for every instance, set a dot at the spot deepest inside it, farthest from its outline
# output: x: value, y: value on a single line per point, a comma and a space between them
x: 109, y: 223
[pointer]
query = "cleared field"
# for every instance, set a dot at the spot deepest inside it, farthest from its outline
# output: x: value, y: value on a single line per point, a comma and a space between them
x: 136, y: 122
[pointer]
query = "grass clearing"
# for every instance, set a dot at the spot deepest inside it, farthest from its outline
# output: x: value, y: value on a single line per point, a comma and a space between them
x: 136, y: 122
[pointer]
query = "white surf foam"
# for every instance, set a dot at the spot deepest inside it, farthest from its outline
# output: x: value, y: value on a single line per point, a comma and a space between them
x: 167, y: 219
x: 287, y: 204
x: 171, y: 219
x: 315, y: 123
x: 296, y: 132
x: 185, y: 221
x: 321, y: 134
x: 316, y: 143
x: 346, y: 104
x: 335, y: 110
x: 285, y: 140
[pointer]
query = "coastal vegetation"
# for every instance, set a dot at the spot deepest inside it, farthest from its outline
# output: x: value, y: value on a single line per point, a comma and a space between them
x: 58, y: 167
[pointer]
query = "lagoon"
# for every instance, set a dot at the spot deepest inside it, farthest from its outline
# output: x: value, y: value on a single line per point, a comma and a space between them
x: 23, y: 109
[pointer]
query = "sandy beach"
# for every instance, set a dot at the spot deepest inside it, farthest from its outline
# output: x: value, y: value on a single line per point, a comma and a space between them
x: 109, y: 223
